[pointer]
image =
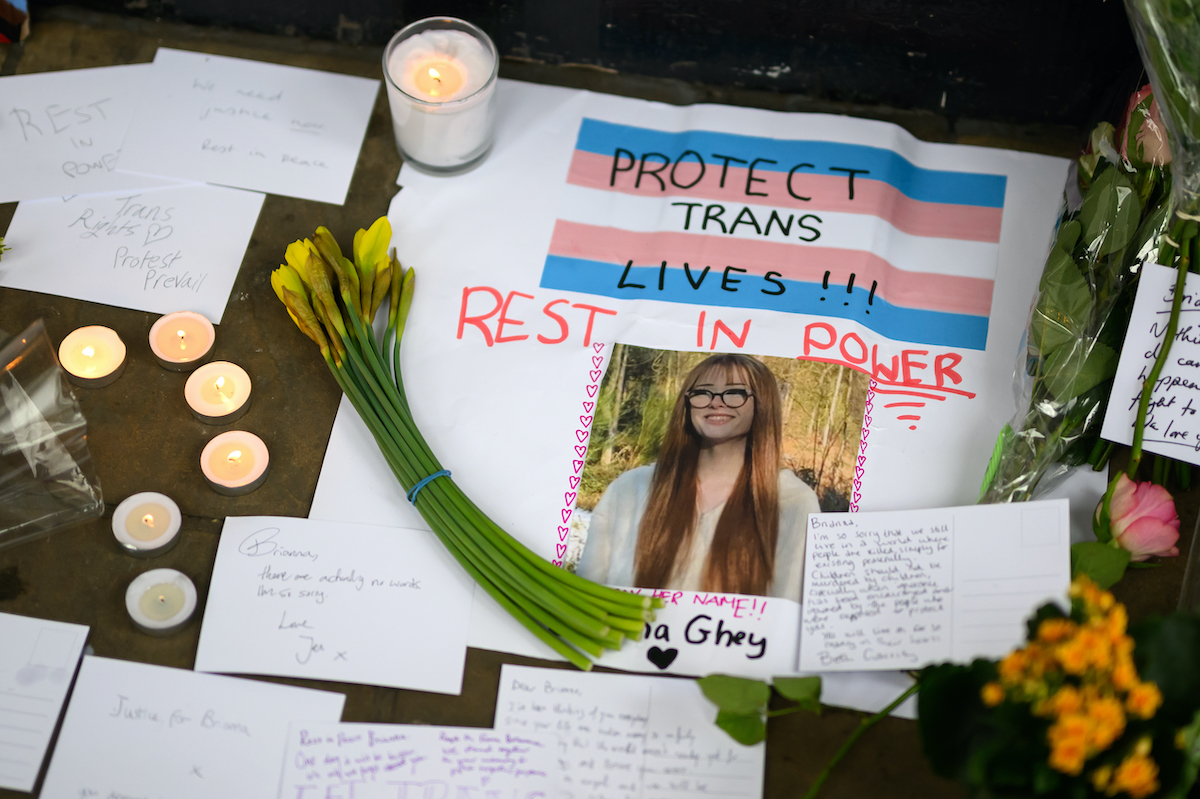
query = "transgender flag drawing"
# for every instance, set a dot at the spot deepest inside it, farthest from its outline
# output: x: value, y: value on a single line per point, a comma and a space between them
x: 810, y: 227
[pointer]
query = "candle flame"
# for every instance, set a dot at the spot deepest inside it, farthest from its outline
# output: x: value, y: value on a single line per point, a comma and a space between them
x: 148, y: 520
x: 182, y: 336
x: 219, y: 384
x: 162, y: 599
x: 433, y: 73
x: 235, y: 456
x: 89, y: 350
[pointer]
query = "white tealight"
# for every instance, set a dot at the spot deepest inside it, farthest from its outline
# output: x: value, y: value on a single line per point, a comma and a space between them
x: 463, y: 51
x: 161, y: 601
x: 147, y: 524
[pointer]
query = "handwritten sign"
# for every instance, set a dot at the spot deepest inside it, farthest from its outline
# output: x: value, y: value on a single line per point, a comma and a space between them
x: 61, y: 132
x: 282, y: 130
x: 37, y: 663
x: 300, y: 598
x: 138, y: 730
x: 623, y: 735
x: 395, y: 761
x: 155, y: 250
x: 1173, y: 419
x: 897, y: 590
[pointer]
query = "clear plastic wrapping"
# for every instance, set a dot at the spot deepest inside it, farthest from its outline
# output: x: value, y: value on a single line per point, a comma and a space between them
x: 47, y: 481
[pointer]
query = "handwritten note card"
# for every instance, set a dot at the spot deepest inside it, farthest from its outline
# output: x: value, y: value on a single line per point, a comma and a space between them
x: 37, y: 661
x: 61, y: 132
x: 134, y: 730
x: 323, y: 600
x: 627, y: 736
x: 1173, y: 420
x: 156, y: 250
x: 266, y: 127
x: 899, y: 589
x: 400, y: 761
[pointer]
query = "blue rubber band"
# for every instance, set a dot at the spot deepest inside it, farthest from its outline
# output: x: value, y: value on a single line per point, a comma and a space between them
x: 412, y: 494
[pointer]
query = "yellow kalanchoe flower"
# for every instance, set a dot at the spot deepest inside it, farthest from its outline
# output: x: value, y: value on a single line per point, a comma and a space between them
x: 992, y: 694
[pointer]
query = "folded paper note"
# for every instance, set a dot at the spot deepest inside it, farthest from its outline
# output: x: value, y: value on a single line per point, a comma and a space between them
x: 37, y: 664
x: 402, y: 761
x: 900, y: 589
x: 138, y: 730
x: 346, y: 602
x: 623, y: 735
x: 267, y: 127
x: 156, y: 250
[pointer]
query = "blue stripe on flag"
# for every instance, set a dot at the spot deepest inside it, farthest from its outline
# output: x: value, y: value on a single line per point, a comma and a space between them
x: 928, y: 185
x: 935, y: 328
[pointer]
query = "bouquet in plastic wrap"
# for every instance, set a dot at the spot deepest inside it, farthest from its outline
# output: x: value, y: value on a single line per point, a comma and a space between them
x: 47, y: 481
x: 1116, y: 205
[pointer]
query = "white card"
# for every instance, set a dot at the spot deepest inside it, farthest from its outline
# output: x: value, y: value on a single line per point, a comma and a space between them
x: 37, y: 662
x: 386, y: 761
x: 330, y: 601
x: 1173, y: 419
x: 61, y: 132
x: 138, y: 730
x: 623, y: 735
x: 267, y: 127
x: 157, y: 250
x: 900, y: 589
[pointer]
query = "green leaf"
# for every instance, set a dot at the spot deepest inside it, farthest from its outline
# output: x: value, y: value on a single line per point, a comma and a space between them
x: 1110, y: 213
x: 1067, y: 378
x: 1191, y: 760
x: 1167, y: 651
x: 1063, y: 306
x: 1103, y: 563
x: 745, y: 728
x: 806, y: 691
x: 736, y: 695
x: 1068, y: 235
x: 989, y: 474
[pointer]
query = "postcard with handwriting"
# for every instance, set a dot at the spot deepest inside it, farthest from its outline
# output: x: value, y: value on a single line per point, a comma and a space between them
x: 61, y: 132
x: 235, y: 122
x: 623, y: 735
x: 138, y: 730
x: 405, y: 761
x: 37, y: 662
x: 900, y: 589
x: 331, y: 601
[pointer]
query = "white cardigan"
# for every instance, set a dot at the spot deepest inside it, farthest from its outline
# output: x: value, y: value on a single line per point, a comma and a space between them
x: 612, y: 535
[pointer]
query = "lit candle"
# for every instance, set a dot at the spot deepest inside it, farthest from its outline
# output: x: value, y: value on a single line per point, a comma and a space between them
x: 147, y: 524
x: 441, y: 81
x: 160, y: 601
x: 235, y: 462
x: 218, y: 392
x: 92, y: 356
x: 181, y: 341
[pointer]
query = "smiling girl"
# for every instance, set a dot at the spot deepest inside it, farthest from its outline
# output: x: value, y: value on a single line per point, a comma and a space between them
x: 716, y: 513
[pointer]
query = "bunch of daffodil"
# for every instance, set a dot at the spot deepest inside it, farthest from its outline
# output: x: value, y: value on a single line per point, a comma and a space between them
x: 334, y: 300
x: 1079, y: 673
x: 1084, y: 709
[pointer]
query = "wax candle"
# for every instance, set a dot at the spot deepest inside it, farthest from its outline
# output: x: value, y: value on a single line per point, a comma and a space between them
x: 160, y: 601
x: 218, y: 392
x: 92, y: 356
x: 441, y: 80
x: 181, y: 341
x: 147, y: 524
x: 235, y: 462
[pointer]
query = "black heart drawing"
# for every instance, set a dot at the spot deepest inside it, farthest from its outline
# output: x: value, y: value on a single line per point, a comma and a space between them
x: 662, y: 658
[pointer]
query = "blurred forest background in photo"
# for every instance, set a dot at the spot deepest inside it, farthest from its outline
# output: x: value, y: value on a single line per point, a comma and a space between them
x: 822, y: 406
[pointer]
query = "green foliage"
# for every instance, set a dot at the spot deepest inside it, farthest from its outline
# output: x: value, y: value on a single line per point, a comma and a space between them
x: 742, y: 703
x: 1168, y: 653
x: 1111, y: 212
x: 1102, y: 562
x: 805, y: 691
x: 736, y: 695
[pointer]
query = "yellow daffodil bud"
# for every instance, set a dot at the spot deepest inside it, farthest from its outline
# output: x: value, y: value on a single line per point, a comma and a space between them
x: 370, y: 246
x: 286, y: 276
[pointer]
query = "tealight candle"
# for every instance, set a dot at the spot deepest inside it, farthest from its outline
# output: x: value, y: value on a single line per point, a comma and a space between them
x: 441, y: 81
x: 92, y: 356
x: 235, y: 462
x: 160, y: 601
x: 147, y: 524
x: 218, y: 392
x: 181, y: 341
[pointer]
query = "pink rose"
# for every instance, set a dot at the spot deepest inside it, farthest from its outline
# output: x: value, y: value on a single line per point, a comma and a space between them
x: 1143, y: 519
x: 1143, y: 136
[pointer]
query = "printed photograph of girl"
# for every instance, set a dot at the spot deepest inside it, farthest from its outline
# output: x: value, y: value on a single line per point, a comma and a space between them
x: 698, y: 478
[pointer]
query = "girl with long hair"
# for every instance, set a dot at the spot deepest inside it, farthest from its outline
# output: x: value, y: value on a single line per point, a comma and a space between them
x: 716, y: 512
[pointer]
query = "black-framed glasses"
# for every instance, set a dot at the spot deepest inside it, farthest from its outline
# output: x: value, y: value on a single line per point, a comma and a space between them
x: 730, y: 397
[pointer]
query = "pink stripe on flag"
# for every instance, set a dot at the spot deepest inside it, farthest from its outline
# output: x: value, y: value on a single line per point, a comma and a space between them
x: 806, y: 263
x: 828, y: 193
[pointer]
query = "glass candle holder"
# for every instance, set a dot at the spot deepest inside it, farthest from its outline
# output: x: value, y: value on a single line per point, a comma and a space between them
x: 441, y: 81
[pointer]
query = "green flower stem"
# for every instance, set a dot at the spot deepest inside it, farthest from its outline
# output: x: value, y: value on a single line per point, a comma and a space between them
x: 863, y: 726
x: 1187, y: 234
